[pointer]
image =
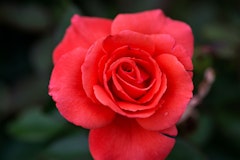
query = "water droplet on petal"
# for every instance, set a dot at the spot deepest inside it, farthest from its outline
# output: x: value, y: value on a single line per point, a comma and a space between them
x: 166, y: 113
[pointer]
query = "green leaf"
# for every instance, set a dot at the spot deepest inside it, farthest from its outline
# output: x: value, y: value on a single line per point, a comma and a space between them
x: 41, y: 55
x: 229, y: 123
x: 184, y: 150
x: 27, y: 17
x: 64, y: 22
x: 74, y: 146
x: 5, y: 99
x: 224, y: 39
x: 203, y: 132
x: 35, y: 126
x: 15, y: 150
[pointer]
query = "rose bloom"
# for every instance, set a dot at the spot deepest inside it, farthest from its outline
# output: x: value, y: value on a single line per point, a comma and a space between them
x: 128, y: 80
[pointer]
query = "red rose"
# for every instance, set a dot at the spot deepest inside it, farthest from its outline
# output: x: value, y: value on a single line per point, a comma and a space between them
x: 128, y: 80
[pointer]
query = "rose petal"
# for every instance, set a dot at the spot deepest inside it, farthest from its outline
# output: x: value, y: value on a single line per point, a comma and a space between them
x: 183, y: 57
x: 133, y: 91
x: 147, y: 22
x: 172, y: 131
x: 66, y: 90
x: 155, y: 22
x: 176, y: 98
x: 164, y: 43
x: 104, y: 98
x: 90, y: 68
x: 125, y: 87
x: 118, y: 91
x: 157, y: 90
x: 133, y: 55
x: 153, y: 103
x: 135, y: 77
x: 181, y: 32
x: 145, y: 61
x: 116, y: 85
x: 128, y: 38
x: 124, y: 139
x: 82, y: 32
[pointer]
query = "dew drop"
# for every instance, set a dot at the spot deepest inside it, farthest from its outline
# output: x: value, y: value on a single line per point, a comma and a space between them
x: 166, y: 113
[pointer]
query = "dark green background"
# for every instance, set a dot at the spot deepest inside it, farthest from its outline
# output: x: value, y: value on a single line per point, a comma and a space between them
x: 30, y: 126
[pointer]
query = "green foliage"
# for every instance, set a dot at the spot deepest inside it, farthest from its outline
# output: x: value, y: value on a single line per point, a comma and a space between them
x: 28, y: 17
x: 70, y: 147
x: 184, y: 150
x: 34, y: 126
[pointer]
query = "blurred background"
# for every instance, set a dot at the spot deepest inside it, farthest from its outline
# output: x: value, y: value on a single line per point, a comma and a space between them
x: 32, y: 129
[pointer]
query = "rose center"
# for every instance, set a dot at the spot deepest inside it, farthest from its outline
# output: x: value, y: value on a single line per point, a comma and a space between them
x: 126, y: 67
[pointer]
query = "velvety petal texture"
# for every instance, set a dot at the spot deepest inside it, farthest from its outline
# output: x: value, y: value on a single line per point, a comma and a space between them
x: 66, y: 89
x: 178, y: 94
x: 178, y: 30
x: 89, y: 68
x: 128, y: 80
x: 155, y: 22
x: 148, y: 22
x: 78, y: 34
x: 125, y: 139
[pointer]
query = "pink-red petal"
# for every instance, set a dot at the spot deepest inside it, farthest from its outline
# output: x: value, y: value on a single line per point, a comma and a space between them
x: 128, y: 38
x: 176, y: 98
x: 181, y: 32
x: 118, y: 91
x: 172, y: 131
x: 147, y: 22
x: 90, y: 68
x: 183, y: 57
x: 66, y: 90
x: 83, y: 32
x: 124, y: 139
x: 155, y: 22
x: 104, y: 98
x: 164, y: 43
